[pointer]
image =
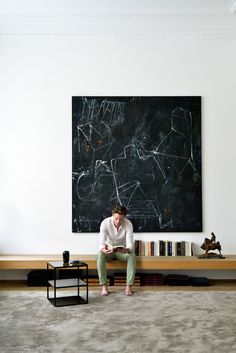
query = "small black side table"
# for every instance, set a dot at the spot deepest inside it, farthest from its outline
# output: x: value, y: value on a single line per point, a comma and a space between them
x: 77, y: 281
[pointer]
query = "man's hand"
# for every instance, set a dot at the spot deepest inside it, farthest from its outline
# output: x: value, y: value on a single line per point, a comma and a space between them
x: 105, y: 250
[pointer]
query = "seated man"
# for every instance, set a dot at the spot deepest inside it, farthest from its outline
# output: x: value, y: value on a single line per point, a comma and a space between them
x: 116, y: 242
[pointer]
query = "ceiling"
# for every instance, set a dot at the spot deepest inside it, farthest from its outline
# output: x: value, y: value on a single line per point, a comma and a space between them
x: 109, y: 17
x: 69, y: 6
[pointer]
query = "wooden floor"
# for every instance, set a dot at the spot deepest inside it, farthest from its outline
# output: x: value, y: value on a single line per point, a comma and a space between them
x: 215, y: 285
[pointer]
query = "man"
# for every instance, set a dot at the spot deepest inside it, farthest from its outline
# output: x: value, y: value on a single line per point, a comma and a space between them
x: 116, y: 242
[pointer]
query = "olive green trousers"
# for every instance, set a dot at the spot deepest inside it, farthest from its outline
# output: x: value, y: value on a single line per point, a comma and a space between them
x: 129, y: 258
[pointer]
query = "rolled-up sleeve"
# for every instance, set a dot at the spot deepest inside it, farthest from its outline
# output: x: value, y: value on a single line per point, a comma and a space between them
x: 129, y: 234
x: 102, y: 234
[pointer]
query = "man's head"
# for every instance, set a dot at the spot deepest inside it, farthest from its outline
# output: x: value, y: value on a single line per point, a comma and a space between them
x: 119, y: 209
x: 118, y: 213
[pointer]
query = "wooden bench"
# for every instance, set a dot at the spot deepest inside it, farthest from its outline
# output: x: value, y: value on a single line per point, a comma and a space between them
x: 31, y: 262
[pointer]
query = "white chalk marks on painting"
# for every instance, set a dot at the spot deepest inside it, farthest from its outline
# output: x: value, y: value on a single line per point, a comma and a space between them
x: 141, y: 152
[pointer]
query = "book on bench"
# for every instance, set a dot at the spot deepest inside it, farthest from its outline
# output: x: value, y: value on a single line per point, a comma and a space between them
x: 118, y: 248
x: 114, y: 247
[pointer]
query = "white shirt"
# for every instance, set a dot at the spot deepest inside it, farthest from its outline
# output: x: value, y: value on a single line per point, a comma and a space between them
x: 110, y: 235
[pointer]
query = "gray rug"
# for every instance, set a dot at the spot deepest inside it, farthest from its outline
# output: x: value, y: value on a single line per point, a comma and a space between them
x: 158, y: 322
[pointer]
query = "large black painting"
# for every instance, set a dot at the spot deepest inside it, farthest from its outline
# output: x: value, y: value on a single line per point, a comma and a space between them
x: 142, y: 152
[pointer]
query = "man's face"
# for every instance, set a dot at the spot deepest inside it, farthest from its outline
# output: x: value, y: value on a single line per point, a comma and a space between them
x: 117, y: 219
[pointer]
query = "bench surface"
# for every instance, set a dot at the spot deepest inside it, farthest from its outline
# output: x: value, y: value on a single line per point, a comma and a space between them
x: 27, y: 262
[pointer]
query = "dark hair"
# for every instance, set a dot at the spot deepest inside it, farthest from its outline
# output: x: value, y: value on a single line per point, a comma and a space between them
x: 119, y: 209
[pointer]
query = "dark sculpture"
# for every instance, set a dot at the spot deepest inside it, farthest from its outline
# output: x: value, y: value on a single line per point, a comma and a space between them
x: 209, y: 245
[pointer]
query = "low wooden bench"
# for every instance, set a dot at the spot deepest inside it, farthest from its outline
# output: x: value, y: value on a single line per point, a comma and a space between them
x: 32, y: 262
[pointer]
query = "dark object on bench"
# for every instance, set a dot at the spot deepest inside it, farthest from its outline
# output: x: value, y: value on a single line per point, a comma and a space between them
x: 200, y: 281
x: 177, y: 280
x: 39, y: 278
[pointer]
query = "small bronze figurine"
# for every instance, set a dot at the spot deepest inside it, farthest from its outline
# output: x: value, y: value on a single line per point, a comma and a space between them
x: 209, y: 245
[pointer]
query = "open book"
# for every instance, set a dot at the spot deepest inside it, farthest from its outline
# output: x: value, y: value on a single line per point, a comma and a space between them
x: 115, y: 247
x: 118, y: 247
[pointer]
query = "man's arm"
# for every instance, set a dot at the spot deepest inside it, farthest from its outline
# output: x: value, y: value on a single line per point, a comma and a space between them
x: 129, y: 235
x: 103, y: 235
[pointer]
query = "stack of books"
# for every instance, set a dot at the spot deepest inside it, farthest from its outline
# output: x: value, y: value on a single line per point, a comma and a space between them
x: 152, y: 279
x: 163, y: 248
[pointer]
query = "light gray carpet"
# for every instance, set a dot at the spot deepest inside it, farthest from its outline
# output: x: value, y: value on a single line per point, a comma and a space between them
x: 152, y: 322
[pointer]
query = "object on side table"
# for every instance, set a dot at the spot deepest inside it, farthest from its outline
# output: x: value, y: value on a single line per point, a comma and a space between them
x: 75, y: 262
x: 66, y: 256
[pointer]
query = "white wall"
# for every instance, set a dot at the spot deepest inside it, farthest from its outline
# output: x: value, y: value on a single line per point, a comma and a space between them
x: 40, y: 74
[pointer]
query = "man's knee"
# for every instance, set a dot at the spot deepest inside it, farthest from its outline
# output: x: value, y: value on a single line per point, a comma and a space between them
x: 104, y: 257
x: 131, y: 255
x: 101, y: 254
x: 101, y: 257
